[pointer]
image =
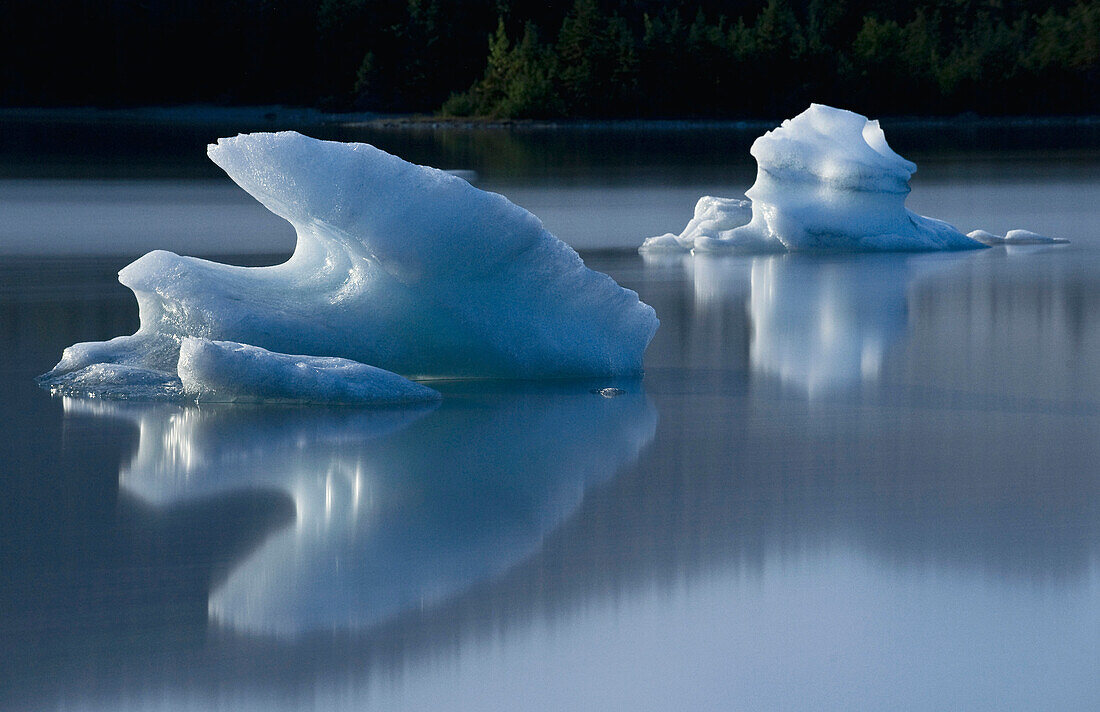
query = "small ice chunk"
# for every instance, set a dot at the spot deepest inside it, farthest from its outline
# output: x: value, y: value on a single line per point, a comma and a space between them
x: 713, y: 217
x: 1021, y: 236
x: 664, y: 243
x: 1015, y: 237
x: 227, y: 371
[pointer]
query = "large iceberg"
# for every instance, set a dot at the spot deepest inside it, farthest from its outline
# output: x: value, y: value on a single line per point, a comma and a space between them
x: 826, y: 180
x: 399, y: 266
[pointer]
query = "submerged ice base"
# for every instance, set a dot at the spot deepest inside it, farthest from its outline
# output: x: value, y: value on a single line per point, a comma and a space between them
x: 230, y: 372
x: 827, y: 180
x: 399, y: 266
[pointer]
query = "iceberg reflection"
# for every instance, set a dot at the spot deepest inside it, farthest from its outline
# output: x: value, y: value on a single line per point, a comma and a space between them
x: 395, y: 510
x: 815, y: 323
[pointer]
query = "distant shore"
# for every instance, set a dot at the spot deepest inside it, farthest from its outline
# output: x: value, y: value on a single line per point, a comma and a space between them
x: 284, y: 116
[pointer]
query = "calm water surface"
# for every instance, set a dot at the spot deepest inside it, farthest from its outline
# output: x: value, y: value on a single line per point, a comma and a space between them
x: 851, y: 482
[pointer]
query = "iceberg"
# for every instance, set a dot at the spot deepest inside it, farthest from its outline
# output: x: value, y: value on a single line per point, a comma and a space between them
x: 404, y: 267
x: 826, y: 180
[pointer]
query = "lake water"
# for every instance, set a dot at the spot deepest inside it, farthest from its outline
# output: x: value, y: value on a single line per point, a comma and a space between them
x: 848, y: 482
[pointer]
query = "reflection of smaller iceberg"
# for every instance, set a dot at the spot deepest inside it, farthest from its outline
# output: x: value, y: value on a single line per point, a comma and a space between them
x: 815, y: 324
x: 394, y: 510
x: 823, y: 326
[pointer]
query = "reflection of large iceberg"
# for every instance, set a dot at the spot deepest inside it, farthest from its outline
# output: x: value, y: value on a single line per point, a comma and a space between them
x: 393, y: 510
x: 826, y: 180
x: 403, y: 267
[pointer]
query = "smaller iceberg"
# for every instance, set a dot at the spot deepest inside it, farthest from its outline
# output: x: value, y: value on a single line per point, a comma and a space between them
x: 826, y: 180
x: 229, y: 372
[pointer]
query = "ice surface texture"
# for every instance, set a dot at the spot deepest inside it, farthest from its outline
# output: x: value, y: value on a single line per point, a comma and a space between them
x: 826, y: 180
x: 400, y: 266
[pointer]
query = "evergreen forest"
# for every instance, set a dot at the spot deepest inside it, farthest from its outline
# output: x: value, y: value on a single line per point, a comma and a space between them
x: 582, y: 59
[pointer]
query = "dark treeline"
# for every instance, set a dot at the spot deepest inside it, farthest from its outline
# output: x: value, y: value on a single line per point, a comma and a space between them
x: 588, y: 58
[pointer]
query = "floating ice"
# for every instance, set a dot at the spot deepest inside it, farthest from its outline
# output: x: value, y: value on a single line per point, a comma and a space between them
x: 826, y: 180
x: 403, y: 267
x: 713, y: 216
x: 225, y: 371
x: 1015, y: 237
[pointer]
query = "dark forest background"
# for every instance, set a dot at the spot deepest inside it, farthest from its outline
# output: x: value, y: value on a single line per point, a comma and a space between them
x: 588, y: 58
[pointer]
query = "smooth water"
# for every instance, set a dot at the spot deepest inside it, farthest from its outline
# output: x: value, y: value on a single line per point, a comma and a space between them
x: 848, y: 482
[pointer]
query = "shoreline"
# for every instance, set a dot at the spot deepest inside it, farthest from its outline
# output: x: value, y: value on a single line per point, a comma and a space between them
x: 279, y: 116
